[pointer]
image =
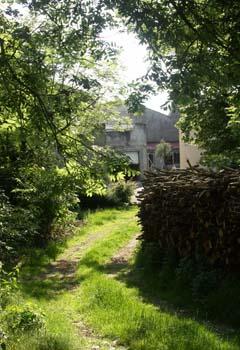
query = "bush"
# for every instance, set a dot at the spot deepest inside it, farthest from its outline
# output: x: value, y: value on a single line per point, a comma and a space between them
x: 185, y: 271
x: 117, y: 194
x: 198, y: 276
x: 8, y: 286
x: 18, y: 229
x: 49, y: 194
x: 203, y: 283
x: 38, y: 210
x: 6, y: 233
x: 120, y: 193
x: 15, y: 318
x: 23, y: 318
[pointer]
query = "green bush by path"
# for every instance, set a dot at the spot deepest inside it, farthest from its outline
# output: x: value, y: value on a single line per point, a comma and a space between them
x: 38, y: 210
x: 118, y: 194
x: 23, y: 318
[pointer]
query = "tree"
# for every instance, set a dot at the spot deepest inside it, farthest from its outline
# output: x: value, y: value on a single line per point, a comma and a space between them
x: 194, y: 49
x: 57, y: 81
x: 163, y: 149
x: 55, y: 74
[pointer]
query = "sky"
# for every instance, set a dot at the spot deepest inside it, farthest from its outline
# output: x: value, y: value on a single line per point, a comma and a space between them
x: 133, y: 58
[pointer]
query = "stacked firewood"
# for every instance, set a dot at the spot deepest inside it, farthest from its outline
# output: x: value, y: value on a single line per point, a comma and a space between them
x: 193, y: 211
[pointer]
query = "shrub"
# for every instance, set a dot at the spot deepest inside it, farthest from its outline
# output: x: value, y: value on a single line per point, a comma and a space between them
x: 8, y: 286
x: 185, y: 271
x: 120, y: 193
x: 116, y: 194
x: 38, y: 210
x: 48, y: 194
x: 198, y: 276
x: 5, y: 230
x: 16, y: 317
x: 23, y: 318
x: 203, y: 283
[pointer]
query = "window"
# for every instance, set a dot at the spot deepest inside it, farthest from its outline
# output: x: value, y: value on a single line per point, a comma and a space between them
x: 168, y: 160
x: 176, y: 156
x: 173, y: 158
x: 133, y: 156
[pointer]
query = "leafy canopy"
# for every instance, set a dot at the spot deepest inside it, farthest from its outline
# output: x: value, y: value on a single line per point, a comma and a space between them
x: 194, y: 48
x: 57, y: 79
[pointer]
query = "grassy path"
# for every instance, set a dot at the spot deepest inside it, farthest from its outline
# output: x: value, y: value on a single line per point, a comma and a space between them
x: 88, y: 307
x: 55, y: 285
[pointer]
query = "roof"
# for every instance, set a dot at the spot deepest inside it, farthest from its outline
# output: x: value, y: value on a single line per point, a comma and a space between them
x: 160, y: 126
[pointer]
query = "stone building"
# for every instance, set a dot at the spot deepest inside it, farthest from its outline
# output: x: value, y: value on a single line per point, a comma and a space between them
x: 138, y: 139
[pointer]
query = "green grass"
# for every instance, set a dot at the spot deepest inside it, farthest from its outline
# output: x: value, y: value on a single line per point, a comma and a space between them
x: 160, y: 283
x: 116, y: 311
x: 37, y: 259
x: 60, y: 305
x: 105, y: 304
x: 59, y: 333
x: 119, y: 312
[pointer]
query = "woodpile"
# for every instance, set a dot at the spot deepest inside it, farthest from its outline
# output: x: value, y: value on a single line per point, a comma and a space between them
x: 193, y: 211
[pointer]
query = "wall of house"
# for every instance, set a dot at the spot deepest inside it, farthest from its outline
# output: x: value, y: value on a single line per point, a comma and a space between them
x: 188, y: 152
x: 139, y: 138
x: 133, y: 141
x: 160, y: 126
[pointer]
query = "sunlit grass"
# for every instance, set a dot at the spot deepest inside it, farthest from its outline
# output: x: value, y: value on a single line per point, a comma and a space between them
x: 107, y: 305
x: 61, y: 311
x: 119, y: 312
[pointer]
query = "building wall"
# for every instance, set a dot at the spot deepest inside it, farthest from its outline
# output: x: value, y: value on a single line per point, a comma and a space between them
x: 188, y: 152
x: 142, y: 136
x: 132, y: 141
x: 160, y: 126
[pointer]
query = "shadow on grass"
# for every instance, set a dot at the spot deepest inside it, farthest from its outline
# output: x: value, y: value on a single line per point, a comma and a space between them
x: 47, y: 279
x: 42, y: 278
x: 49, y: 286
x: 161, y: 288
x: 140, y: 326
x: 148, y: 286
